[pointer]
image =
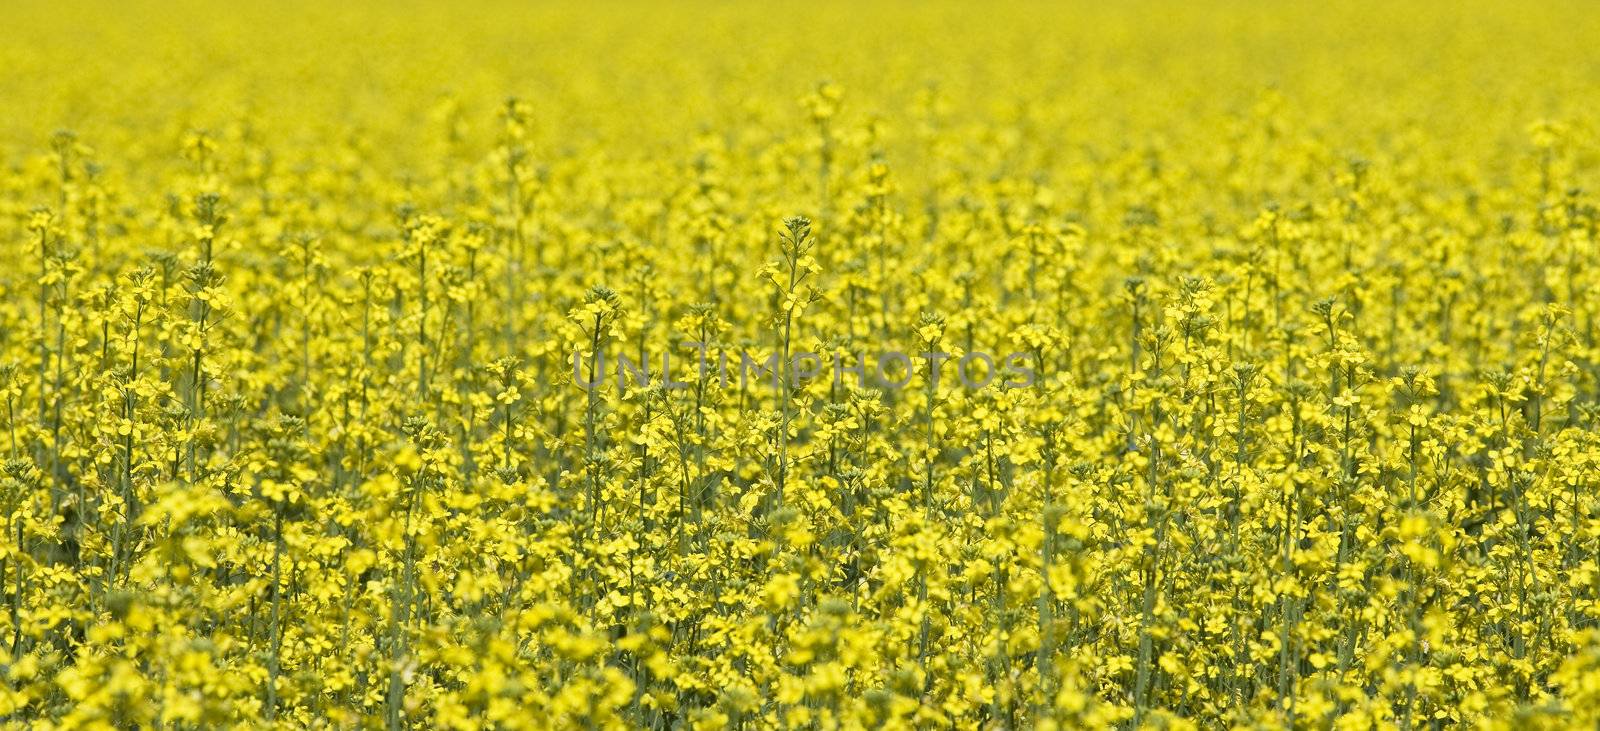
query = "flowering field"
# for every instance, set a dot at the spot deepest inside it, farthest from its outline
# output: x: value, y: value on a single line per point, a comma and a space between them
x: 799, y: 366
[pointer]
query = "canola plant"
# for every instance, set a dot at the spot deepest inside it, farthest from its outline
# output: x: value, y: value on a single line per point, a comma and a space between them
x: 1285, y: 415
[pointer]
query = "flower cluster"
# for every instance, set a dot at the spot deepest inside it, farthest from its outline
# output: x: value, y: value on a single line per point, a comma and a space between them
x: 292, y: 435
